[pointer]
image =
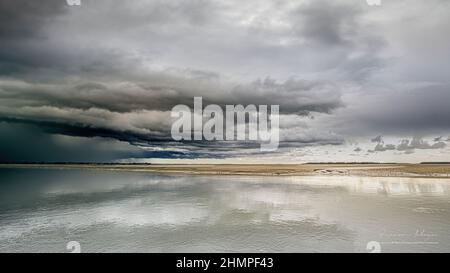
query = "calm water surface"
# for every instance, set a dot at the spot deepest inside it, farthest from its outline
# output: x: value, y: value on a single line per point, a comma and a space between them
x: 42, y: 210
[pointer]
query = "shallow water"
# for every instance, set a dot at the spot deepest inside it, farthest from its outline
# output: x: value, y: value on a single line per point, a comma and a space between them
x: 42, y: 210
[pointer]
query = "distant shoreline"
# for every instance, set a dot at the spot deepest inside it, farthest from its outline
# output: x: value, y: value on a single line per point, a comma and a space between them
x: 435, y: 170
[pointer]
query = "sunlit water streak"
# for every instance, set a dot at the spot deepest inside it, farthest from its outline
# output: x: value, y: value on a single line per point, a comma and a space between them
x: 42, y: 210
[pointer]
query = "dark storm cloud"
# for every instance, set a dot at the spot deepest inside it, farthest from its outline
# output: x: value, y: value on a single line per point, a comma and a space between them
x: 29, y: 143
x: 23, y: 19
x: 140, y: 115
x: 22, y: 25
x: 84, y: 130
x: 114, y: 69
x: 164, y: 93
x: 32, y: 141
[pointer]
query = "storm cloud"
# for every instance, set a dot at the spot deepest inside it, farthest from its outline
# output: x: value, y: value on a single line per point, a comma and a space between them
x: 112, y: 71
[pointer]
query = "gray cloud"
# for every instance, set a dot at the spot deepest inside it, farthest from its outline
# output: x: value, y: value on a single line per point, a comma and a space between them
x: 407, y: 145
x: 419, y: 143
x: 164, y: 92
x: 338, y: 69
x: 23, y: 19
x: 21, y: 142
x: 377, y: 139
x: 382, y: 148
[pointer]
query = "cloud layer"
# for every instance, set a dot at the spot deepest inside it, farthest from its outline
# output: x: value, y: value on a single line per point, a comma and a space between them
x: 112, y: 70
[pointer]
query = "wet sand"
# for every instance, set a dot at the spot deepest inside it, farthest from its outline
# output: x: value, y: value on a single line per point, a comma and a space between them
x: 375, y: 170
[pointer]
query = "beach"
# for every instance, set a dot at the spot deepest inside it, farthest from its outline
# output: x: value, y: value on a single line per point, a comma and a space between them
x: 371, y: 170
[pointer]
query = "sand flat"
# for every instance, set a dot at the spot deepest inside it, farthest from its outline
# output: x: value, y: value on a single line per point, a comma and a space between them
x: 383, y: 170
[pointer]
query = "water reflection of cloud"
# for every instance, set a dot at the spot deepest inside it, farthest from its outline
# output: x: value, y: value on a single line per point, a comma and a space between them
x: 117, y: 182
x: 131, y: 213
x: 381, y: 185
x: 127, y: 213
x: 293, y: 209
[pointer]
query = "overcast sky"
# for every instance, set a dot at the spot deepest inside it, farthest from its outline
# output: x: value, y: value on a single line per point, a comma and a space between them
x: 97, y: 82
